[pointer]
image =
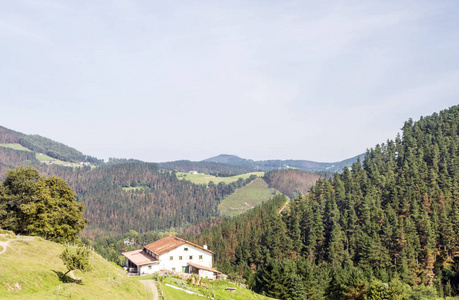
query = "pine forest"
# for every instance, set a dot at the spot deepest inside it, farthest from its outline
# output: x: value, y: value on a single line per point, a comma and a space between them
x: 386, y: 228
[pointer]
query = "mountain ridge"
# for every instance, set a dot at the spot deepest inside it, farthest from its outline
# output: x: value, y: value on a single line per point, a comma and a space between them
x: 221, y: 165
x: 275, y: 164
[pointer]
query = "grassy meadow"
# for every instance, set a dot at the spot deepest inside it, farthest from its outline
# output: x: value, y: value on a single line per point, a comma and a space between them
x: 246, y: 198
x: 15, y: 147
x: 205, y: 178
x: 40, y: 156
x: 216, y: 289
x: 30, y: 268
x: 135, y: 188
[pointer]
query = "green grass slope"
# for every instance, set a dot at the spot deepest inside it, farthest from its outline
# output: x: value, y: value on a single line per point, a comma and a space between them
x: 246, y: 198
x: 15, y: 146
x: 43, y: 158
x: 213, y: 289
x: 205, y: 178
x: 30, y: 268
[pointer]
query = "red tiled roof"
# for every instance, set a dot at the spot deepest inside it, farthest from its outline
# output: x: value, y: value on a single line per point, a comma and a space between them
x: 203, y: 267
x: 169, y: 243
x: 140, y: 258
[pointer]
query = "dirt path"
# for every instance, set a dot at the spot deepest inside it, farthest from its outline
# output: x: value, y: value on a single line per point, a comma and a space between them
x: 151, y: 291
x: 6, y: 244
x: 282, y: 208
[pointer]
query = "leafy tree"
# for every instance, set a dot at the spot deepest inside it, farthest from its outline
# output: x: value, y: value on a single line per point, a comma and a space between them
x: 76, y: 259
x: 35, y: 205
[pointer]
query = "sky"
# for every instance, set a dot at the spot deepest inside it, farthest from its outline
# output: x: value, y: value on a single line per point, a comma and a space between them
x: 169, y: 80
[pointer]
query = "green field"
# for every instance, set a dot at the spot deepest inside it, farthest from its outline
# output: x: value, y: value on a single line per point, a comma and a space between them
x: 205, y: 179
x: 41, y: 157
x: 30, y: 269
x: 215, y: 289
x: 15, y: 147
x: 135, y: 188
x: 246, y: 198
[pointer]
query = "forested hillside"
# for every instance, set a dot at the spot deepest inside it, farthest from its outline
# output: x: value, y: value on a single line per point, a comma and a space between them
x: 123, y: 194
x: 55, y: 149
x: 10, y: 158
x: 291, y: 182
x: 8, y: 136
x: 140, y: 196
x: 46, y: 146
x: 386, y: 229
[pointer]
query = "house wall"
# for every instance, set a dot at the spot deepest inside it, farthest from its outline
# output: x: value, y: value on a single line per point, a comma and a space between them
x: 148, y: 269
x: 177, y: 265
x: 207, y: 274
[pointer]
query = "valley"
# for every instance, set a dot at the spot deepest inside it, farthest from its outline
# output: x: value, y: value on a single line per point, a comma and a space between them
x: 125, y: 194
x: 389, y: 218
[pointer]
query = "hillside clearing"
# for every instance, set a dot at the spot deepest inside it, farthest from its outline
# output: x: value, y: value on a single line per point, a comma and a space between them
x: 40, y: 156
x: 15, y: 147
x: 134, y: 188
x: 43, y: 158
x: 205, y: 178
x: 246, y: 198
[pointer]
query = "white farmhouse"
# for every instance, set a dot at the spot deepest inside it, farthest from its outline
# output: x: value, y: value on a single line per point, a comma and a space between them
x: 173, y: 254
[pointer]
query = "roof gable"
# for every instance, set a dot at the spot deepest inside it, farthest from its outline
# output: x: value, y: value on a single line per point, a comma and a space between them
x: 169, y: 243
x: 140, y: 258
x: 203, y: 267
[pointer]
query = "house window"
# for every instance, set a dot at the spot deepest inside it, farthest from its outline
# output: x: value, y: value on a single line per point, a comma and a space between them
x: 173, y: 269
x: 171, y: 258
x: 191, y: 256
x: 186, y: 249
x: 179, y: 258
x: 200, y: 257
x: 149, y: 267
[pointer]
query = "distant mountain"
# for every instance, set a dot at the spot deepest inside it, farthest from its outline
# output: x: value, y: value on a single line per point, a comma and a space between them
x: 214, y: 168
x: 268, y: 165
x: 231, y: 160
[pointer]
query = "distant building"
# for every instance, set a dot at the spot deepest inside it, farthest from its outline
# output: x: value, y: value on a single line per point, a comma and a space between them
x: 129, y: 243
x: 172, y: 254
x: 193, y: 172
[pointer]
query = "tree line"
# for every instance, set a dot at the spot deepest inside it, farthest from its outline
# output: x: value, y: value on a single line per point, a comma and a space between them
x: 55, y: 149
x: 386, y: 228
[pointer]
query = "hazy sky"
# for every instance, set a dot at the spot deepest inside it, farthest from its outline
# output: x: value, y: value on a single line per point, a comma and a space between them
x: 169, y: 80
